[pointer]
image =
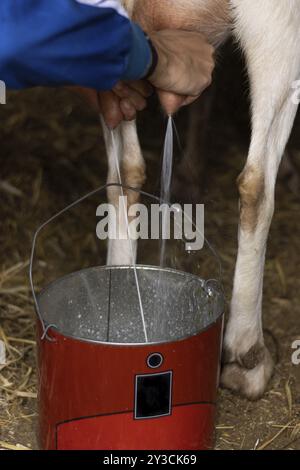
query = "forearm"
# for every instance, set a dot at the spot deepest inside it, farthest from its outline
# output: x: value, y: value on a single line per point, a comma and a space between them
x: 69, y: 42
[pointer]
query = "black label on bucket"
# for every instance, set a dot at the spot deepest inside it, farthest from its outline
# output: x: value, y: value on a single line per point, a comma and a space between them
x: 153, y: 395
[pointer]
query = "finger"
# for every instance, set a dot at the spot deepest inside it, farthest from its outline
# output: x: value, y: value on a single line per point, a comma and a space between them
x: 170, y: 101
x: 88, y: 94
x: 128, y: 110
x: 137, y: 100
x: 143, y: 87
x: 110, y: 109
x: 124, y: 89
x: 121, y: 89
x: 190, y: 100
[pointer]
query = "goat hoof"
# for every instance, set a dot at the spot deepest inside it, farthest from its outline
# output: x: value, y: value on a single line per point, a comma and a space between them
x: 250, y: 382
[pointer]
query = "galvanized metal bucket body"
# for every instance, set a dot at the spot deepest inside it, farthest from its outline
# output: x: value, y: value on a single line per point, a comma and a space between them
x: 103, y: 387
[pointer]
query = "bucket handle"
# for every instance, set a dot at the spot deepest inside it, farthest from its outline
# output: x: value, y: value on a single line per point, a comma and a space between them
x: 46, y: 327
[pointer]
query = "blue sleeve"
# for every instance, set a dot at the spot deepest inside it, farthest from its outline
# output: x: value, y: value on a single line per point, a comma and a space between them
x: 89, y: 43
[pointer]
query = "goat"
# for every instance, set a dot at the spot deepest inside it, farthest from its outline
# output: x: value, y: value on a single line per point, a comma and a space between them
x: 268, y: 31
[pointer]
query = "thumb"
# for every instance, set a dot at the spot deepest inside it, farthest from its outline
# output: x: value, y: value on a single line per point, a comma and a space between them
x: 170, y: 102
x: 88, y: 94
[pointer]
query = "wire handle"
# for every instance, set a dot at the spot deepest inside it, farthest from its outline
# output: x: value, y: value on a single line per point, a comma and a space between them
x: 37, y: 233
x: 46, y: 327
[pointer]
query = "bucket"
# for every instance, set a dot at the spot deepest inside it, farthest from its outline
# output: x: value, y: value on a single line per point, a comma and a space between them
x: 102, y: 386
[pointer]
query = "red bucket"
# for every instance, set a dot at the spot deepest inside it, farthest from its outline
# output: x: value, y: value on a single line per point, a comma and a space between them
x: 102, y: 387
x: 111, y: 379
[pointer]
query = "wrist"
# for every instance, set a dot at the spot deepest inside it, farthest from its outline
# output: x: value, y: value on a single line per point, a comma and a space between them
x: 154, y: 60
x: 159, y: 74
x: 139, y: 58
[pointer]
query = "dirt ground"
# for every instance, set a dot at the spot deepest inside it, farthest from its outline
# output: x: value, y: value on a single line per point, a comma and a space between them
x: 52, y: 153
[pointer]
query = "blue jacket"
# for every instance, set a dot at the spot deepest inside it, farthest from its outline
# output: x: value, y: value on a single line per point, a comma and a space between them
x: 90, y: 43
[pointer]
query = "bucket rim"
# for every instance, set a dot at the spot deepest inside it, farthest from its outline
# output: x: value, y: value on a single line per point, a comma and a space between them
x: 130, y: 267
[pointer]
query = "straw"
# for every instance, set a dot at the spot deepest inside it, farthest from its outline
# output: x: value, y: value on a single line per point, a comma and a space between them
x: 8, y: 446
x: 269, y: 441
x: 69, y: 153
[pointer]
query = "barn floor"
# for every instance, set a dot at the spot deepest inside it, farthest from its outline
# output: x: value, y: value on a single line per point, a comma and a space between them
x: 51, y: 153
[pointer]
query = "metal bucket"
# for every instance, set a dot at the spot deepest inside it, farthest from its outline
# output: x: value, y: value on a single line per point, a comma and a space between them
x: 101, y: 386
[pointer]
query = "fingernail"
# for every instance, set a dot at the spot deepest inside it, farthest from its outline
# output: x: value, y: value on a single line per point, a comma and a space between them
x: 110, y: 125
x: 127, y: 105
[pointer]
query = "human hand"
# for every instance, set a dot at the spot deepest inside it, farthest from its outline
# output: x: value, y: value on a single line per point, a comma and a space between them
x: 120, y: 103
x: 184, y: 68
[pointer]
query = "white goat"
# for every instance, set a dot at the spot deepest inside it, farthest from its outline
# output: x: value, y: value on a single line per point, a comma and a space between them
x: 269, y: 33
